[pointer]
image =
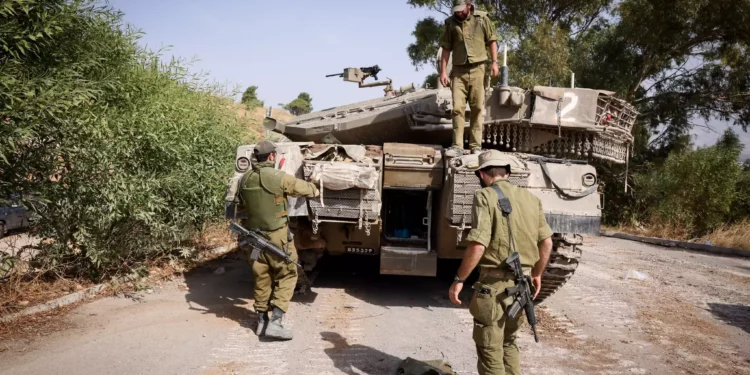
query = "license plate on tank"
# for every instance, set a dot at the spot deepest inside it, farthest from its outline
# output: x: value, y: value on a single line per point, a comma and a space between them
x: 360, y: 250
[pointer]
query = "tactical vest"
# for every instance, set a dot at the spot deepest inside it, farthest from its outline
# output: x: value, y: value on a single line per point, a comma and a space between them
x: 264, y: 199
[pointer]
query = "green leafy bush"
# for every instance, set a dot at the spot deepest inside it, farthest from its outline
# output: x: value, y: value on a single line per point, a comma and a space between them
x: 741, y: 206
x: 128, y: 154
x: 693, y: 190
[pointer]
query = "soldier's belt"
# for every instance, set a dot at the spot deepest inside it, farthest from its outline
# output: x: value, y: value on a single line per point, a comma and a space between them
x: 470, y: 65
x: 500, y: 274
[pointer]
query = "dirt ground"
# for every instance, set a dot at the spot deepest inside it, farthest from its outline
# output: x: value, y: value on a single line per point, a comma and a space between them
x: 691, y: 315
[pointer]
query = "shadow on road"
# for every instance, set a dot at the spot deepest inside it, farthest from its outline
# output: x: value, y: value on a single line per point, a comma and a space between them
x: 735, y: 315
x: 224, y: 294
x: 224, y: 288
x: 357, y: 359
x: 359, y: 276
x: 229, y: 293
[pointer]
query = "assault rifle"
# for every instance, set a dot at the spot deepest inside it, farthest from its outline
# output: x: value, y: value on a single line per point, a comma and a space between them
x: 521, y: 293
x: 260, y: 242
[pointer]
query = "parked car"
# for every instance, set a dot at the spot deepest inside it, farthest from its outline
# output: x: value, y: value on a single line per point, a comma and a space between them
x: 14, y: 216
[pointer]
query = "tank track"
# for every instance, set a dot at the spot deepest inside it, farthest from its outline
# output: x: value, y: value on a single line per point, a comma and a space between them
x: 563, y: 261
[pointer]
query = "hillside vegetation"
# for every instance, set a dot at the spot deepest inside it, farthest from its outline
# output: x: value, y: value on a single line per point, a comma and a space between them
x: 138, y: 148
x: 252, y: 118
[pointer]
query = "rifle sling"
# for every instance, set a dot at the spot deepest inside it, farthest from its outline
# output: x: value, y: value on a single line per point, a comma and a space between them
x: 504, y: 204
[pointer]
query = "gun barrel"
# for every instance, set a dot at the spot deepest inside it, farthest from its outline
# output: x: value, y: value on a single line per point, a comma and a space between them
x: 530, y: 314
x: 335, y: 74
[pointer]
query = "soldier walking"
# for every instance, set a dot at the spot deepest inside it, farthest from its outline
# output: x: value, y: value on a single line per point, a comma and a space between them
x: 467, y: 34
x: 489, y: 247
x: 264, y: 192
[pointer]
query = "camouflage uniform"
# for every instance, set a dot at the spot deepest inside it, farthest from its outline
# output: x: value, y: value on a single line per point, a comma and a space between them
x: 495, y: 333
x: 264, y: 192
x: 468, y: 41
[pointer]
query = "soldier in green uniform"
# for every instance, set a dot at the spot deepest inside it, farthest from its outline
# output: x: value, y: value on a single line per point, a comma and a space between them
x: 264, y: 192
x: 467, y: 34
x: 489, y: 247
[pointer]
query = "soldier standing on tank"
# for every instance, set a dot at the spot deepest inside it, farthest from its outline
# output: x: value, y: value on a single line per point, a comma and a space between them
x: 494, y: 332
x: 467, y: 34
x: 264, y: 192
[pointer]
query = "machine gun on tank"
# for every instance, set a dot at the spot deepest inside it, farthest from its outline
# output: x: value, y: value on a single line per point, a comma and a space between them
x: 364, y: 73
x: 360, y: 74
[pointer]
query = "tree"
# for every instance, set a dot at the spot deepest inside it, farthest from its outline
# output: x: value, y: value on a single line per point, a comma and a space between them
x: 427, y: 33
x: 306, y: 97
x: 431, y: 80
x: 682, y: 63
x: 128, y: 154
x: 301, y: 105
x: 729, y: 141
x: 677, y: 61
x: 250, y: 98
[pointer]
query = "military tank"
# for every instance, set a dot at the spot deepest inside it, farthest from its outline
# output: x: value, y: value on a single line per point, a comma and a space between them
x: 391, y: 190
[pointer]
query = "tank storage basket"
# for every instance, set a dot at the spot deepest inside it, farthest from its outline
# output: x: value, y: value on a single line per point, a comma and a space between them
x: 354, y: 194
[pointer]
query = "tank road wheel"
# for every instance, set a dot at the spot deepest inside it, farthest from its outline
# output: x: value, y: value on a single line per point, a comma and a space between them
x: 563, y: 262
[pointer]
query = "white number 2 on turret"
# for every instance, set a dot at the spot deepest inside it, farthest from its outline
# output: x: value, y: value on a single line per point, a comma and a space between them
x: 573, y: 103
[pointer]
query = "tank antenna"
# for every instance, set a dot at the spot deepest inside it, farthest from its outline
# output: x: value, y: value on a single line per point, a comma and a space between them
x: 504, y: 69
x: 504, y: 88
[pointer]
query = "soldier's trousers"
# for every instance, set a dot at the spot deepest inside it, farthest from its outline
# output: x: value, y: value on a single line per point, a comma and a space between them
x: 468, y: 81
x: 274, y: 278
x: 494, y: 332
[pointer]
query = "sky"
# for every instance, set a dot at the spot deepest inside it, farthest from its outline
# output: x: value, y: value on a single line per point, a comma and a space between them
x: 706, y: 137
x: 285, y: 46
x: 288, y: 46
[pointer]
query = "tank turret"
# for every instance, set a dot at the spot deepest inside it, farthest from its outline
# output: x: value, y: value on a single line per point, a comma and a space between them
x: 558, y: 122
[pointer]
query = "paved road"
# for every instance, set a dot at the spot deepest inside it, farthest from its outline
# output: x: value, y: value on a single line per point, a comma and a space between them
x: 13, y: 243
x: 691, y: 315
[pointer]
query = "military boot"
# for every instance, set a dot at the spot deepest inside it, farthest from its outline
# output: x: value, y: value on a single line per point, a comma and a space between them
x: 260, y: 330
x: 454, y: 151
x: 276, y: 327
